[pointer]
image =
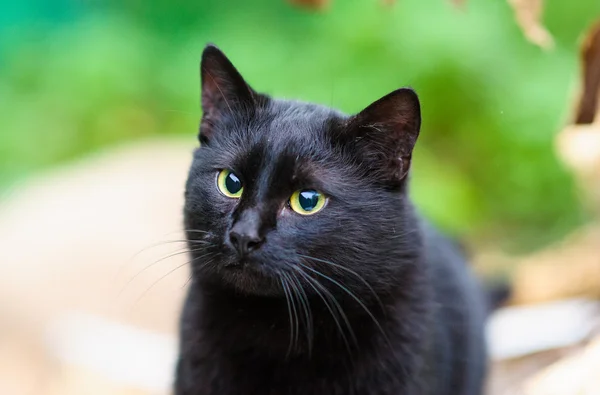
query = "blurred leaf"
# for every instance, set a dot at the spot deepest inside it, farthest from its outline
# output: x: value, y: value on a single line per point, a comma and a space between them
x: 311, y: 4
x: 459, y: 3
x: 320, y: 4
x: 528, y: 14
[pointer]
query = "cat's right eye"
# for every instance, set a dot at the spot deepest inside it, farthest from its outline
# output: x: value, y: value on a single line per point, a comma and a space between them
x: 229, y: 184
x: 307, y: 201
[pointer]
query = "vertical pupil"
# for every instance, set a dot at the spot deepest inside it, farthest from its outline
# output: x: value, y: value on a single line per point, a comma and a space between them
x: 308, y: 200
x: 233, y: 183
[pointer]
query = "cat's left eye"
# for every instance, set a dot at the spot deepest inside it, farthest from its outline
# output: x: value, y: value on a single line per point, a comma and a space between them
x: 229, y: 184
x: 307, y: 201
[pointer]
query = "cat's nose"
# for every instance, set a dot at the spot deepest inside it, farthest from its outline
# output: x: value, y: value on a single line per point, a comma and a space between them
x: 244, y: 241
x: 244, y: 235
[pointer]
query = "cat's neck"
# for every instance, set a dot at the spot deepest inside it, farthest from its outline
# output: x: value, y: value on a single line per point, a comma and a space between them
x: 224, y: 333
x: 273, y: 326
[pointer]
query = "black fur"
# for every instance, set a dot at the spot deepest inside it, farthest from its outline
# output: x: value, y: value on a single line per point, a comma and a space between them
x: 362, y: 298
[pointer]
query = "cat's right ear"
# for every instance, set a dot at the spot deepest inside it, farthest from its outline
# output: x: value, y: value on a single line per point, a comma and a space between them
x: 384, y: 135
x: 224, y: 91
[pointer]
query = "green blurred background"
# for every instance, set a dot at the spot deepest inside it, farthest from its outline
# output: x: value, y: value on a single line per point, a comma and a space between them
x: 77, y: 76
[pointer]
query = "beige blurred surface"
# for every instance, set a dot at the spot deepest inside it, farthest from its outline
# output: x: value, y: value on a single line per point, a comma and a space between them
x: 68, y: 237
x: 68, y: 243
x: 579, y: 374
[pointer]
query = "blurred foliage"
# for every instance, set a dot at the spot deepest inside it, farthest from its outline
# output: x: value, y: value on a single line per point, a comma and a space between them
x: 492, y: 102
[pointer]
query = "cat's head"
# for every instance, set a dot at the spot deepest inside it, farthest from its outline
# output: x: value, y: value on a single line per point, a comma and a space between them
x: 283, y: 194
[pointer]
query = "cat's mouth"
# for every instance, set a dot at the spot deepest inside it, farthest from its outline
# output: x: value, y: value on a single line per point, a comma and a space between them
x: 253, y: 277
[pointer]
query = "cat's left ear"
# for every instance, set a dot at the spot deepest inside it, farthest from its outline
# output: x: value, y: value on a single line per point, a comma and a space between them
x: 224, y: 90
x: 385, y: 133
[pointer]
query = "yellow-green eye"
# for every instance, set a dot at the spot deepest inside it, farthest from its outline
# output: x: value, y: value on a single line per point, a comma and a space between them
x: 307, y: 201
x: 229, y: 184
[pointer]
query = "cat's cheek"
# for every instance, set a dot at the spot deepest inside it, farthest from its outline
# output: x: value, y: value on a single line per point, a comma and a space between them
x: 285, y: 211
x: 225, y: 206
x: 211, y: 208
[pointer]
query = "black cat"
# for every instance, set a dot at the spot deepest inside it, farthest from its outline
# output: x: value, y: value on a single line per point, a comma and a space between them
x: 312, y: 273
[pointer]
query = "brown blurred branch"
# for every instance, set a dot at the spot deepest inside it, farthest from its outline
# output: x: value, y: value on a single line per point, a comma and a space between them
x: 590, y: 57
x: 579, y: 143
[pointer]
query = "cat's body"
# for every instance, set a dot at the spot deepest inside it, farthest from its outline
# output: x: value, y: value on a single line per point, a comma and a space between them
x: 356, y: 296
